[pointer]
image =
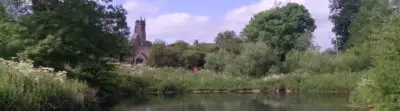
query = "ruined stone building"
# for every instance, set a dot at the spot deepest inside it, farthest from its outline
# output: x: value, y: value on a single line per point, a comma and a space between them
x: 141, y: 47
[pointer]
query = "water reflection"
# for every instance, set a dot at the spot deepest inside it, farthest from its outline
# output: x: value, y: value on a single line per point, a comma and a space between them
x: 241, y: 102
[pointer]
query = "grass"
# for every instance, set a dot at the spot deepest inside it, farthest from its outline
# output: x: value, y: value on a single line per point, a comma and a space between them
x: 343, y: 81
x: 25, y: 88
x: 183, y: 80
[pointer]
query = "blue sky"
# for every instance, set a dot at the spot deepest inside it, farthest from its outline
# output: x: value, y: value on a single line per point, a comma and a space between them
x: 190, y: 20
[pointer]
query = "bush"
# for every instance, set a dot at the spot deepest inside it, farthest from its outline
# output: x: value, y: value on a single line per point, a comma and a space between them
x: 182, y: 80
x: 217, y: 61
x: 343, y: 81
x: 381, y: 86
x: 111, y: 86
x: 255, y: 60
x: 316, y: 62
x: 309, y: 61
x: 179, y: 54
x: 25, y: 88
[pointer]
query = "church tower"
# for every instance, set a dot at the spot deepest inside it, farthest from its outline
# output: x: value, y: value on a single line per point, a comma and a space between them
x: 140, y: 48
x: 140, y: 32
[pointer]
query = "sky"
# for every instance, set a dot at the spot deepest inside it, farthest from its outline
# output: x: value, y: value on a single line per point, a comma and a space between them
x: 189, y: 20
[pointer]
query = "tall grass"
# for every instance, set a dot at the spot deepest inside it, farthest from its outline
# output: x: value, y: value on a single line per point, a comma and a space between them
x: 320, y: 63
x: 326, y: 83
x: 24, y: 88
x: 181, y: 80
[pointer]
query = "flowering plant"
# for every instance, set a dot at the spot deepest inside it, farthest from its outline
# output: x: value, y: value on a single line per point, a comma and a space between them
x: 27, y: 69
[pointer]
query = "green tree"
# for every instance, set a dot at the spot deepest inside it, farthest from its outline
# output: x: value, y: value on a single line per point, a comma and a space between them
x: 79, y: 36
x: 227, y: 37
x: 371, y: 15
x: 343, y: 14
x: 157, y: 56
x: 381, y: 86
x: 191, y: 58
x: 178, y: 54
x: 229, y: 41
x: 75, y: 32
x: 181, y: 45
x: 11, y: 34
x: 217, y: 61
x: 282, y: 28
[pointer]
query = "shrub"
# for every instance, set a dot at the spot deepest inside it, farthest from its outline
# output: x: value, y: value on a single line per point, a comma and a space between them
x: 178, y: 54
x: 339, y: 81
x: 381, y: 86
x: 217, y: 61
x: 316, y: 62
x: 23, y: 87
x: 255, y: 60
x: 309, y: 61
x: 181, y: 80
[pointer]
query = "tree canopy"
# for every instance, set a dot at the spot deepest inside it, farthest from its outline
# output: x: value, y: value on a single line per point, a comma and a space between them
x: 283, y: 28
x: 343, y: 14
x: 229, y: 41
x: 74, y: 32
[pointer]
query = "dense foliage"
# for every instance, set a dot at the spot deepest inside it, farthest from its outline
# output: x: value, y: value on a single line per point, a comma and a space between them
x: 343, y: 14
x: 78, y: 36
x: 229, y: 41
x: 283, y: 29
x: 380, y: 87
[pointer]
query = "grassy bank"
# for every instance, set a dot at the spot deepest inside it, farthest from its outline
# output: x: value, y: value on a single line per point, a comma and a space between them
x: 172, y: 79
x: 25, y: 88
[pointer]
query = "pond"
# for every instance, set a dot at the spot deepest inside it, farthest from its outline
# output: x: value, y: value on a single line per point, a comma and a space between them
x: 240, y: 102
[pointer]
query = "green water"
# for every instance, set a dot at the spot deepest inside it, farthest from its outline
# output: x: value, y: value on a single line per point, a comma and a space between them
x: 240, y: 102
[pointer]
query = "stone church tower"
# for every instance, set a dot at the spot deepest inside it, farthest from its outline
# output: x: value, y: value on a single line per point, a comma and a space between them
x: 140, y: 50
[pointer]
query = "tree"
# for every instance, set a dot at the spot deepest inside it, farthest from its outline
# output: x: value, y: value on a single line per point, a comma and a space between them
x: 380, y: 86
x: 178, y: 54
x: 11, y: 34
x: 157, y: 54
x: 181, y: 45
x: 281, y: 27
x: 75, y: 32
x: 371, y: 15
x: 217, y: 61
x: 229, y: 41
x: 226, y: 37
x: 343, y: 14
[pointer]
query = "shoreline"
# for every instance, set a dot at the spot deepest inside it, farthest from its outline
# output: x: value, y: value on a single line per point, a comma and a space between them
x: 253, y: 91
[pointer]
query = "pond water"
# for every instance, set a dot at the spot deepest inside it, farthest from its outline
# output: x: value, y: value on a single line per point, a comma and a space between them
x: 240, y: 102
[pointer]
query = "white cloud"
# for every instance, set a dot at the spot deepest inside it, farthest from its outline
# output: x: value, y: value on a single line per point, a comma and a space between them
x: 138, y: 8
x: 178, y: 26
x: 185, y: 26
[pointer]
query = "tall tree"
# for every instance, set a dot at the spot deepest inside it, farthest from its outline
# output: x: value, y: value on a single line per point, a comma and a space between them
x: 343, y: 14
x: 11, y: 34
x: 75, y: 32
x: 226, y: 36
x: 229, y: 41
x: 371, y: 15
x: 282, y: 28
